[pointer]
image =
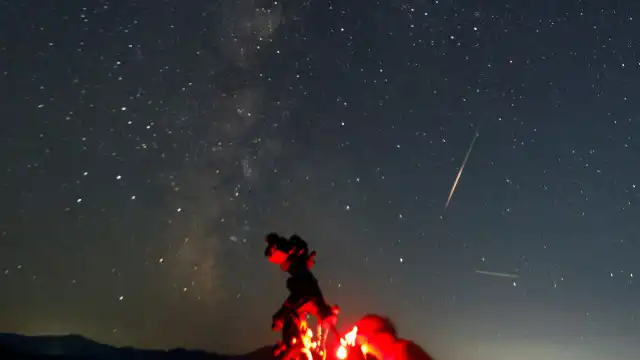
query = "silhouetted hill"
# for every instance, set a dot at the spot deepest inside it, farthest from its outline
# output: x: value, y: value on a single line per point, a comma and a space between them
x: 74, y: 347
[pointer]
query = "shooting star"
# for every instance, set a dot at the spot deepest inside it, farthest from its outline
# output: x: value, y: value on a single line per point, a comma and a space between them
x: 498, y: 274
x: 464, y: 162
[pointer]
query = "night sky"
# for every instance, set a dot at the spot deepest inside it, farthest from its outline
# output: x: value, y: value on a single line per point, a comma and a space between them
x: 146, y: 147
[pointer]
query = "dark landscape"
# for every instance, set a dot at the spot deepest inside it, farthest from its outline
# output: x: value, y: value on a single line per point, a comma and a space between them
x: 75, y: 347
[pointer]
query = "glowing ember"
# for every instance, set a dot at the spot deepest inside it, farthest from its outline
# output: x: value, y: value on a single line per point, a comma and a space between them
x: 347, y: 341
x: 310, y: 342
x: 313, y: 343
x: 341, y: 353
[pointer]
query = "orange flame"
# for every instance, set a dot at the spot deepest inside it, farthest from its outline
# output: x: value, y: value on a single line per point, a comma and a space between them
x: 313, y: 342
x: 309, y: 341
x: 347, y: 341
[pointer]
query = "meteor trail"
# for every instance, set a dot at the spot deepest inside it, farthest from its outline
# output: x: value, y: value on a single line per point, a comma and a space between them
x: 498, y: 274
x: 464, y: 162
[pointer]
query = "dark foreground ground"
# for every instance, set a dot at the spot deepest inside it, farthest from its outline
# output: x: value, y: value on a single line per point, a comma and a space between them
x: 73, y: 347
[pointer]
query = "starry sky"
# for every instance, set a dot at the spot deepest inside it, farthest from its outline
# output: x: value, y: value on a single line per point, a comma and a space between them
x: 146, y: 147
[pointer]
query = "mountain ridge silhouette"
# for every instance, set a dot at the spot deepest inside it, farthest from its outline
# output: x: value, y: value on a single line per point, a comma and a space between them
x: 77, y: 347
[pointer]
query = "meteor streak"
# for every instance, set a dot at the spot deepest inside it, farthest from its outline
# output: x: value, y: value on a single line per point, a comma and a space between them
x: 464, y: 162
x: 498, y: 274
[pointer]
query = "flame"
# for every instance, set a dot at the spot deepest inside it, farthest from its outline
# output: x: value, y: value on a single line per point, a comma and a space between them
x: 309, y: 341
x: 347, y: 341
x: 341, y: 353
x: 314, y: 342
